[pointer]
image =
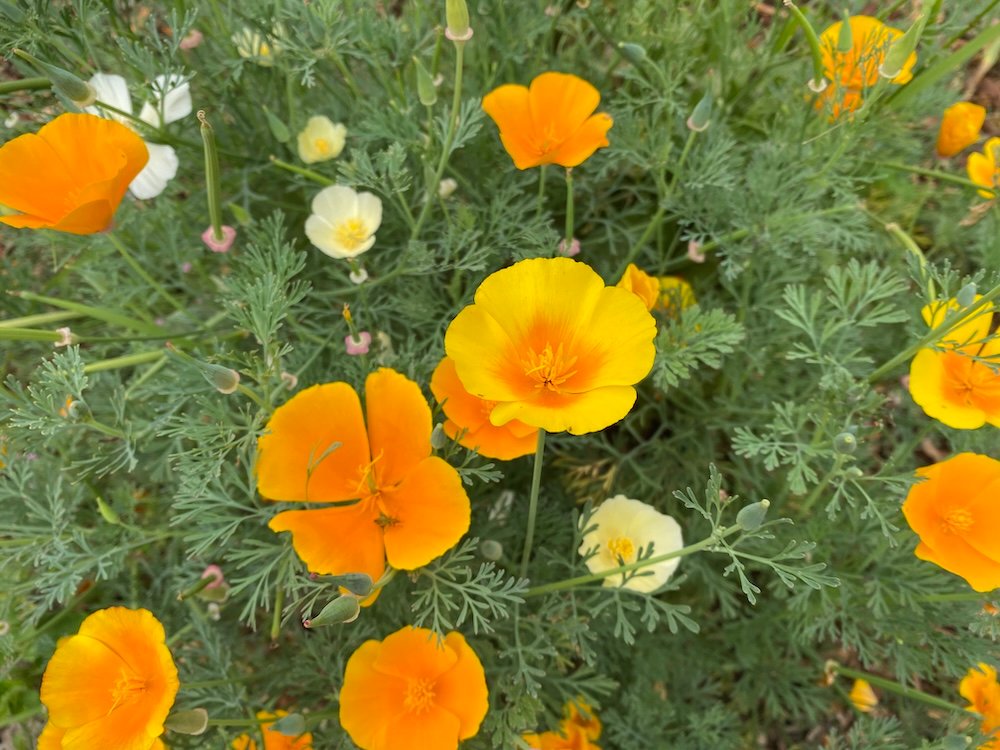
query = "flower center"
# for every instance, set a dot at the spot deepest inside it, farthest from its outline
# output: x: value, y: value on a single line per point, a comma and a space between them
x: 419, y: 695
x: 971, y: 383
x: 550, y: 368
x: 126, y: 690
x: 351, y: 233
x: 958, y: 521
x: 322, y: 145
x: 622, y: 548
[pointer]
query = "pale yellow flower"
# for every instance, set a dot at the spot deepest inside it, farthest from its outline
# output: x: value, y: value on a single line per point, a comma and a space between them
x: 343, y: 222
x: 321, y: 139
x: 252, y: 45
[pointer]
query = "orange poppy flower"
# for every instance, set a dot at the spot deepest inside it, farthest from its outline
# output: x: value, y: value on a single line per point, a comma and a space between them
x: 960, y: 126
x: 981, y: 689
x: 273, y: 740
x: 550, y: 122
x: 855, y: 71
x: 111, y: 685
x: 411, y: 505
x: 468, y: 419
x: 71, y: 175
x: 412, y: 692
x: 668, y: 293
x: 553, y: 346
x: 954, y: 385
x: 955, y: 514
x: 984, y: 168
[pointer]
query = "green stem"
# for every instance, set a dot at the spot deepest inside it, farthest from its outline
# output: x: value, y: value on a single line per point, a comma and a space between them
x: 569, y: 208
x: 24, y: 84
x: 894, y: 687
x: 813, y: 496
x: 29, y: 334
x: 29, y: 320
x: 571, y: 583
x: 949, y: 324
x: 541, y: 190
x: 212, y: 187
x: 97, y: 313
x: 536, y: 483
x: 937, y: 175
x: 811, y: 38
x: 128, y: 360
x: 643, y: 239
x: 141, y: 273
x: 308, y: 173
x: 964, y: 596
x: 251, y: 394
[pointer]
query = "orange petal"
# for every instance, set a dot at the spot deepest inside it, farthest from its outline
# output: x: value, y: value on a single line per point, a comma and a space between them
x: 369, y: 699
x: 434, y: 728
x: 399, y: 424
x: 560, y: 103
x: 431, y: 512
x: 582, y: 144
x: 500, y: 443
x: 486, y: 359
x: 982, y: 167
x: 508, y: 107
x: 931, y: 389
x: 415, y: 654
x: 51, y: 738
x: 980, y: 572
x: 73, y: 701
x: 460, y: 406
x: 315, y: 447
x: 32, y: 179
x: 334, y: 541
x: 462, y: 689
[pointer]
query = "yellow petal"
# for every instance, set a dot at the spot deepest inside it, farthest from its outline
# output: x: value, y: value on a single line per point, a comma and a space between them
x: 399, y: 424
x: 575, y: 413
x: 929, y: 389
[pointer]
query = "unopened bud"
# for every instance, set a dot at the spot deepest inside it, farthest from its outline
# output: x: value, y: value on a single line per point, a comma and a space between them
x: 74, y: 88
x: 752, y: 516
x: 854, y: 472
x: 107, y: 512
x: 439, y: 439
x: 223, y: 379
x: 278, y: 128
x: 457, y: 15
x: 491, y: 550
x: 426, y: 91
x: 193, y: 722
x: 845, y: 443
x: 634, y: 53
x: 292, y: 725
x: 701, y: 117
x: 966, y: 295
x: 901, y: 49
x: 446, y: 187
x: 845, y: 40
x: 341, y: 610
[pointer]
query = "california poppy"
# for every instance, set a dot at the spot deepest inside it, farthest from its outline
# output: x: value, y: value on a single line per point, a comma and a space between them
x: 343, y: 222
x: 981, y: 689
x: 410, y: 507
x: 984, y: 168
x: 273, y: 740
x: 553, y: 346
x: 960, y: 126
x: 111, y: 685
x: 550, y: 122
x: 71, y: 175
x: 667, y: 293
x: 468, y: 419
x: 955, y: 514
x: 413, y: 692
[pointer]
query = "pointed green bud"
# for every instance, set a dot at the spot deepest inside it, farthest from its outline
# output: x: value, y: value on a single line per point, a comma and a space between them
x: 72, y: 87
x: 845, y: 443
x: 845, y: 40
x: 193, y: 722
x: 223, y: 379
x: 634, y: 53
x: 966, y: 295
x: 341, y: 610
x: 107, y: 512
x: 752, y: 516
x: 293, y: 725
x: 901, y: 49
x: 426, y: 90
x: 491, y: 550
x: 701, y: 116
x: 278, y: 128
x: 439, y: 438
x: 457, y: 15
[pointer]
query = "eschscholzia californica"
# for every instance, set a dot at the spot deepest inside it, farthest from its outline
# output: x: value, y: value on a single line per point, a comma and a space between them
x: 959, y: 383
x: 171, y: 102
x: 621, y: 529
x: 863, y: 697
x: 468, y: 419
x: 411, y: 505
x: 853, y: 72
x: 984, y: 168
x: 569, y: 737
x: 71, y: 175
x: 343, y: 222
x: 273, y: 740
x: 552, y: 121
x: 553, y: 346
x: 111, y: 685
x: 252, y: 45
x: 667, y: 293
x: 960, y: 126
x: 321, y: 139
x: 981, y: 689
x: 411, y: 691
x: 955, y: 514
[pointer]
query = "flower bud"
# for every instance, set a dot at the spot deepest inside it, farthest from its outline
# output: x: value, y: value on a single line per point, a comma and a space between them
x: 340, y: 611
x: 292, y: 725
x: 491, y: 550
x: 457, y: 15
x: 358, y: 344
x: 845, y: 40
x: 193, y: 722
x: 966, y: 295
x: 439, y: 439
x: 78, y: 91
x: 223, y: 379
x: 901, y: 49
x: 701, y: 116
x: 426, y: 91
x: 107, y: 512
x: 278, y: 128
x: 446, y: 187
x: 634, y: 53
x: 845, y: 443
x: 752, y: 516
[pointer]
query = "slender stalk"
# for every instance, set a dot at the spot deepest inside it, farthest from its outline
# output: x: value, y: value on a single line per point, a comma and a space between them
x: 894, y: 687
x: 937, y: 175
x: 813, y: 496
x: 141, y: 273
x: 212, y: 187
x: 127, y: 360
x: 572, y: 583
x: 24, y: 84
x: 811, y: 38
x: 536, y: 483
x: 647, y: 233
x: 541, y: 190
x: 29, y: 334
x: 308, y: 173
x: 29, y: 320
x: 569, y: 208
x: 98, y: 313
x: 962, y: 596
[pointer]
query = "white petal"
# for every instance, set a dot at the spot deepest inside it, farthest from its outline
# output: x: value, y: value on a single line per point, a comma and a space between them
x: 172, y: 97
x: 320, y: 232
x: 159, y: 170
x: 335, y: 203
x: 370, y: 210
x: 112, y: 90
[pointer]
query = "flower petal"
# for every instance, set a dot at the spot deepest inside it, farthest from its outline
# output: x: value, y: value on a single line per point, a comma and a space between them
x: 369, y: 698
x: 462, y: 689
x: 577, y: 413
x: 159, y: 170
x: 979, y: 571
x: 335, y: 541
x: 71, y: 701
x: 172, y: 96
x: 508, y: 107
x: 414, y: 653
x: 560, y: 103
x: 110, y: 89
x: 399, y: 425
x: 434, y: 728
x: 431, y: 511
x: 51, y: 738
x: 335, y: 203
x: 33, y: 179
x: 582, y: 144
x: 486, y: 360
x: 370, y: 211
x: 315, y: 447
x: 929, y: 388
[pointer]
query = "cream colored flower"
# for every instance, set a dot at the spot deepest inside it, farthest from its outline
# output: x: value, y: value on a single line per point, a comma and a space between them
x: 321, y: 139
x: 621, y: 529
x: 252, y: 45
x: 343, y: 222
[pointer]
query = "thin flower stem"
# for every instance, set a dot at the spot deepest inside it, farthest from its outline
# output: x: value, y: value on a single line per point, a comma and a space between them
x: 212, y: 187
x: 813, y: 496
x: 647, y: 233
x: 141, y: 273
x: 536, y: 483
x: 571, y: 583
x: 128, y: 360
x: 541, y: 190
x: 29, y: 320
x: 894, y: 687
x: 98, y: 313
x: 24, y: 84
x: 963, y: 596
x: 569, y: 208
x: 811, y: 38
x: 937, y: 175
x: 29, y: 334
x: 950, y: 323
x: 251, y: 394
x: 308, y: 173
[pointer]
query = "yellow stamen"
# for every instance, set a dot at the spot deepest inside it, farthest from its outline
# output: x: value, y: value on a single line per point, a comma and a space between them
x: 958, y: 520
x: 352, y: 233
x: 550, y: 369
x: 419, y: 695
x: 622, y: 548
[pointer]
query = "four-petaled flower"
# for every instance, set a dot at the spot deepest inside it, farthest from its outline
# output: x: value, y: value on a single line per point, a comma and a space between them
x: 343, y: 222
x: 321, y: 139
x: 550, y: 122
x: 412, y: 691
x: 410, y: 507
x: 984, y: 168
x: 960, y: 126
x: 981, y: 689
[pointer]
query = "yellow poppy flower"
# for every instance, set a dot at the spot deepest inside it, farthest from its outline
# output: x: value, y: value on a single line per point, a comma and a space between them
x: 863, y: 697
x: 984, y: 168
x: 321, y: 139
x: 980, y: 688
x: 960, y: 126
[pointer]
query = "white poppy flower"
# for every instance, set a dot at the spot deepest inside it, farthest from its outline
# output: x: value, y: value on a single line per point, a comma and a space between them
x: 622, y: 528
x: 343, y: 223
x: 252, y: 45
x: 321, y: 139
x: 171, y: 102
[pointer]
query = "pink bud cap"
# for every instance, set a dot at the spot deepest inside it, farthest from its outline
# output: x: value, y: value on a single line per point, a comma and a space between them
x: 574, y: 248
x: 358, y: 345
x: 219, y: 246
